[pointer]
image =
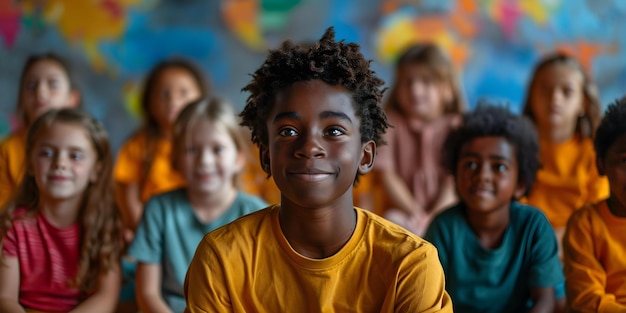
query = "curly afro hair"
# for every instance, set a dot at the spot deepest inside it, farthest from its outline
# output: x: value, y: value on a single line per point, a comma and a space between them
x: 335, y: 63
x: 613, y: 125
x: 489, y: 120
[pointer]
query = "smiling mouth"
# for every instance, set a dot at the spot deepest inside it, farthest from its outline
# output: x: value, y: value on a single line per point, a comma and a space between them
x: 311, y: 175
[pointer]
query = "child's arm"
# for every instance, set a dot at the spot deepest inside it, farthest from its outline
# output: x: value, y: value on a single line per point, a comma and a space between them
x: 446, y: 196
x: 10, y: 285
x: 149, y: 289
x: 543, y: 300
x: 129, y: 201
x: 107, y: 293
x: 398, y: 193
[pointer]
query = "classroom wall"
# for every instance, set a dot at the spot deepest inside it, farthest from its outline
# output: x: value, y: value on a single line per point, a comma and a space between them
x: 113, y: 43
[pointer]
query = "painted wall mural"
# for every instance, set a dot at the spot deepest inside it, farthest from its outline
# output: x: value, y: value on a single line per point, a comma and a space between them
x: 113, y: 43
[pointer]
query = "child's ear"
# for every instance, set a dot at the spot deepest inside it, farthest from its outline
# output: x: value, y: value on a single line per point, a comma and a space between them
x: 600, y: 166
x: 519, y: 191
x: 240, y: 163
x: 264, y: 157
x: 368, y: 152
x: 74, y: 98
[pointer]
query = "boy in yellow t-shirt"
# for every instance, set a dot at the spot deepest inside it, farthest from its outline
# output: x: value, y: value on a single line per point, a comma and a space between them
x: 314, y: 113
x: 594, y: 246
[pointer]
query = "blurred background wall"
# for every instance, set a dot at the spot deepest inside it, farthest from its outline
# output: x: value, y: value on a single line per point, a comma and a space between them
x: 113, y: 43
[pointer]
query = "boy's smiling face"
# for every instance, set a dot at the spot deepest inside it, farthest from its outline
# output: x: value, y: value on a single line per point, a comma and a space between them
x: 487, y: 174
x: 314, y: 145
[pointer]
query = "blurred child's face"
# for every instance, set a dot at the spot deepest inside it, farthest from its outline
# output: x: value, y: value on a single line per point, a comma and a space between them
x: 314, y: 148
x: 557, y: 98
x: 614, y: 167
x: 46, y: 86
x: 211, y: 158
x: 487, y: 174
x: 420, y: 94
x: 64, y: 162
x: 173, y: 90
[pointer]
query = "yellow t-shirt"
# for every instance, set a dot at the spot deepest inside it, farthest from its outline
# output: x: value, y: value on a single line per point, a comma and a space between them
x: 594, y: 250
x: 131, y: 164
x: 12, y: 165
x: 249, y: 266
x: 567, y: 180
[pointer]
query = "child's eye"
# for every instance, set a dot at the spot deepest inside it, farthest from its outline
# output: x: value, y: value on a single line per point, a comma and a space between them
x: 191, y: 149
x: 53, y: 83
x: 471, y: 165
x: 47, y: 153
x: 334, y: 132
x: 76, y: 156
x: 31, y: 85
x: 218, y: 149
x: 288, y: 132
x: 500, y: 168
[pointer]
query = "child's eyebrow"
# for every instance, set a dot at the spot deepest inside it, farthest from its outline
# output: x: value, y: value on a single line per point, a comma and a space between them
x: 286, y: 115
x: 331, y: 114
x: 323, y: 115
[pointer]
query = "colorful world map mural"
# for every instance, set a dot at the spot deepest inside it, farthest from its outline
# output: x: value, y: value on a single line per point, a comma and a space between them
x: 113, y: 43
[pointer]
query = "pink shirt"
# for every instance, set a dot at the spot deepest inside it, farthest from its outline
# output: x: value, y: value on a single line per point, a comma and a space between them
x: 48, y: 258
x: 413, y: 151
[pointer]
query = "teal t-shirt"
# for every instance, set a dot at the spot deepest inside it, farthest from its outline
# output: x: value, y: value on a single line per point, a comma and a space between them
x: 496, y: 280
x: 169, y: 233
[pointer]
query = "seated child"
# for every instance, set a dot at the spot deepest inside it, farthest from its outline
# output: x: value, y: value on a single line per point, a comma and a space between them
x: 594, y: 245
x: 498, y: 255
x: 62, y: 235
x: 209, y: 153
x: 315, y: 114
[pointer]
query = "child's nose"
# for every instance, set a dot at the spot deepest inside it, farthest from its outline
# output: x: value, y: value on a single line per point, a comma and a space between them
x: 59, y: 161
x: 484, y: 172
x: 310, y: 147
x: 206, y: 157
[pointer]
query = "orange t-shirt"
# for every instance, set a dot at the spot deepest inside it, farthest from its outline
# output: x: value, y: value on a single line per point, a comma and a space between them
x: 567, y: 180
x: 131, y: 165
x: 594, y: 248
x: 12, y: 164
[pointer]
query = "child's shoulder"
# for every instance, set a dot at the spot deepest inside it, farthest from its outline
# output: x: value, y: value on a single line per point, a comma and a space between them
x: 245, y: 227
x: 386, y: 233
x: 250, y: 199
x: 16, y: 139
x: 591, y: 211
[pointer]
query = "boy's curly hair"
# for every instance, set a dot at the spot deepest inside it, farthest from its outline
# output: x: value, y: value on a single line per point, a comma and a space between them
x: 335, y: 63
x: 613, y: 125
x: 488, y: 120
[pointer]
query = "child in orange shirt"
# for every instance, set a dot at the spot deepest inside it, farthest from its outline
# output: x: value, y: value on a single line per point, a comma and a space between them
x: 563, y: 103
x: 46, y: 83
x: 594, y: 246
x: 423, y: 107
x: 143, y: 167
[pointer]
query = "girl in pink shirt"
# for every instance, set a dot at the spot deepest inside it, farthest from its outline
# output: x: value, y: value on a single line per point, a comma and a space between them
x: 62, y: 235
x: 424, y: 105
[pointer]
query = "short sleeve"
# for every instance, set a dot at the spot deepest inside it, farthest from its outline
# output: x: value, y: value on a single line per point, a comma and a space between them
x: 10, y: 242
x: 421, y: 270
x: 545, y: 267
x: 205, y: 284
x: 147, y: 245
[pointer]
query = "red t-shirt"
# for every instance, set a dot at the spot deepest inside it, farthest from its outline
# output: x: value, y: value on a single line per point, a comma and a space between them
x: 48, y: 258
